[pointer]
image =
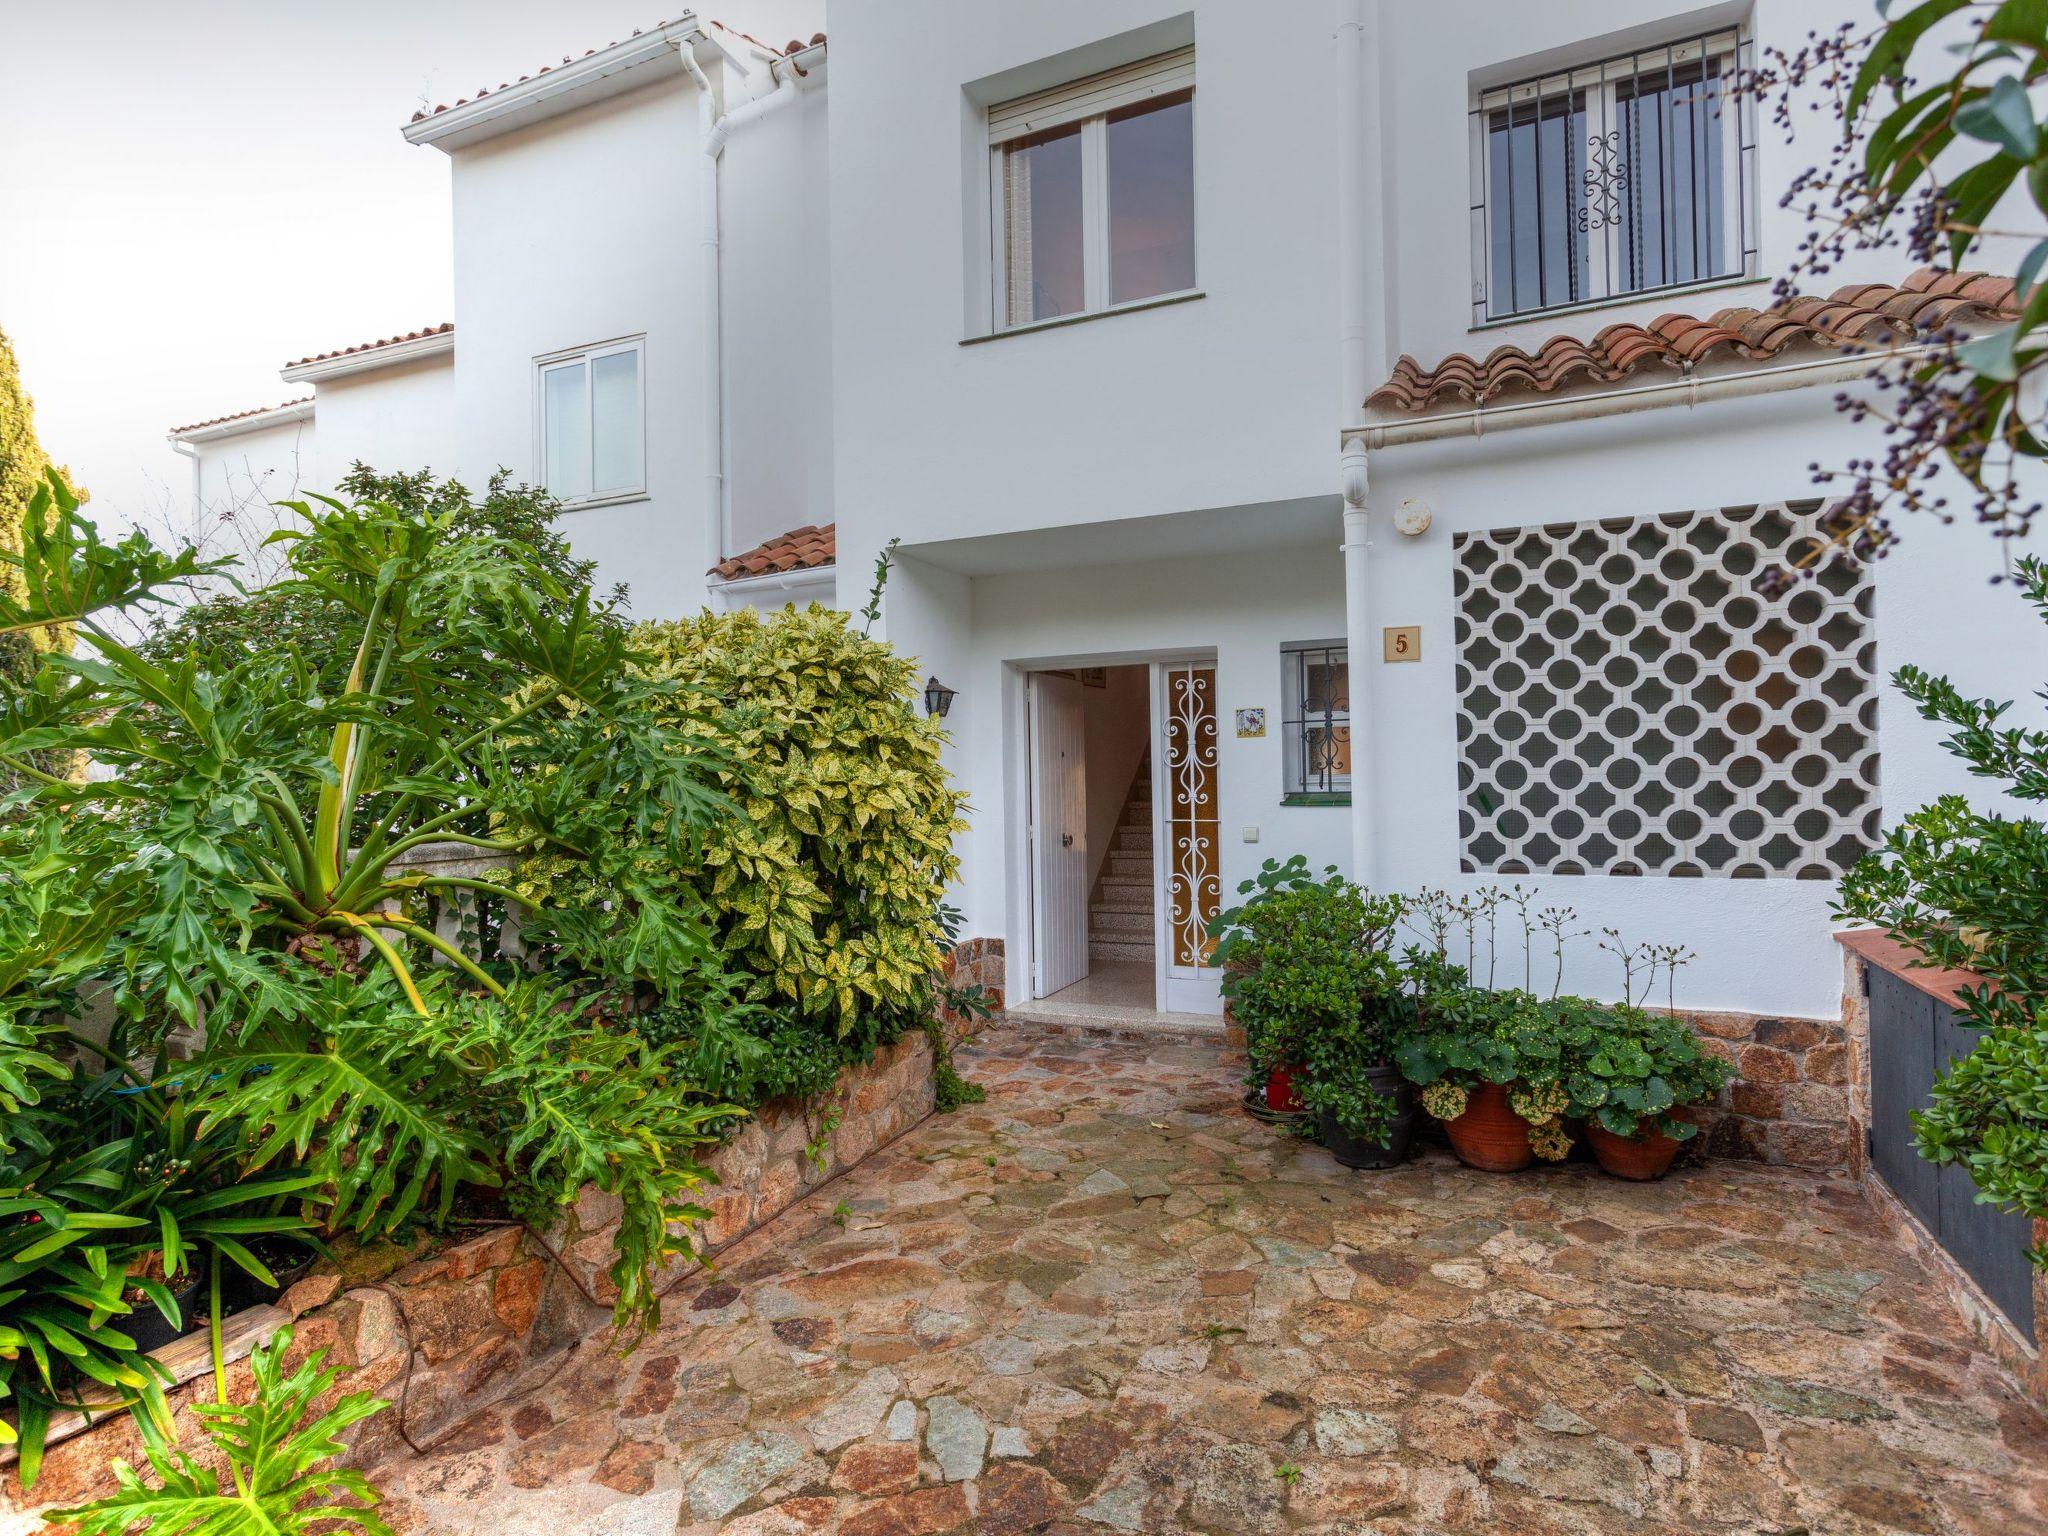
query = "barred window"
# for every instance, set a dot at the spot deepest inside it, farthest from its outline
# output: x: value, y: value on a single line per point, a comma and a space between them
x: 1630, y: 703
x: 1623, y: 176
x: 1316, y: 720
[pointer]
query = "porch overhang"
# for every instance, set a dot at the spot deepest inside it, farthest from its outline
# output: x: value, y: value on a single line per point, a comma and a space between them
x: 1259, y: 528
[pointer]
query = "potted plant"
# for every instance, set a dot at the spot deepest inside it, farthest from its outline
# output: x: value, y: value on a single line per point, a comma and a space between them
x: 1309, y: 976
x: 1492, y: 1066
x: 1364, y: 1106
x: 1642, y: 1067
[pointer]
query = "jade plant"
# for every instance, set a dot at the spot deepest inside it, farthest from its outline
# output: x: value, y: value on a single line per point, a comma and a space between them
x: 1306, y: 965
x: 1967, y: 888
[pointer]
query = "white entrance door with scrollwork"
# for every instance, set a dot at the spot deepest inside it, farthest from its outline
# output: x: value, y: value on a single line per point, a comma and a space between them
x: 1187, y: 869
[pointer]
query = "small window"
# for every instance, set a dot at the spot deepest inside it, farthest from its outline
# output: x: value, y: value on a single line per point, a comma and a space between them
x: 1316, y: 720
x: 1093, y: 192
x: 591, y: 423
x: 1621, y: 177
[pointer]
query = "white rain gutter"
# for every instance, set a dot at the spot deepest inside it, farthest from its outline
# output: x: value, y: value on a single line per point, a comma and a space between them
x: 714, y: 128
x: 812, y: 578
x: 1688, y: 390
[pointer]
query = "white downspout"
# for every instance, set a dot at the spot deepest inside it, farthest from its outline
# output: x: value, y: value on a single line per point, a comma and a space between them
x: 1352, y: 171
x: 193, y: 454
x: 1358, y: 648
x: 713, y: 129
x: 1355, y: 276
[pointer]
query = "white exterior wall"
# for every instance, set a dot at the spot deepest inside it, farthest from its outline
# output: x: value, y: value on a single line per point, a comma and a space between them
x: 1763, y: 945
x: 972, y: 453
x: 1225, y: 400
x: 240, y: 477
x: 587, y: 228
x: 776, y: 208
x: 396, y: 420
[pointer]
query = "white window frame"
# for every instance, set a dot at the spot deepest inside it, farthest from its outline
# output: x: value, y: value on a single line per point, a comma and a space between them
x: 588, y: 356
x: 1089, y: 102
x: 1600, y: 84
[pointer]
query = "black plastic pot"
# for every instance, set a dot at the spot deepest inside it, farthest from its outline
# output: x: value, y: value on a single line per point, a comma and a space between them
x: 148, y: 1327
x: 289, y: 1261
x: 1390, y: 1152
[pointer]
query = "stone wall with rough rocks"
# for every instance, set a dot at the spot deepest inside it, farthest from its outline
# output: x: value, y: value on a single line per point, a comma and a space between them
x: 451, y: 1331
x: 974, y: 963
x: 1793, y: 1098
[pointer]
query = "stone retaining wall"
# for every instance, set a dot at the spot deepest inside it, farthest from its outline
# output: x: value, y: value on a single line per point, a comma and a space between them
x: 1793, y: 1097
x: 472, y: 1318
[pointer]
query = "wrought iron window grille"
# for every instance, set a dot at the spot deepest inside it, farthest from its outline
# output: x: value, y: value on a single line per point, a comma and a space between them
x: 1632, y: 175
x: 1316, y: 719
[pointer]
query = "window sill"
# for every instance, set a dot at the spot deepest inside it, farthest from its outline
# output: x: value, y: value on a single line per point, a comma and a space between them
x: 1329, y: 797
x: 1614, y: 301
x: 619, y: 499
x: 1160, y: 301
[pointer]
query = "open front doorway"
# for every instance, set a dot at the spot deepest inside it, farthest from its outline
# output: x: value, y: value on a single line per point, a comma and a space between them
x: 1123, y: 849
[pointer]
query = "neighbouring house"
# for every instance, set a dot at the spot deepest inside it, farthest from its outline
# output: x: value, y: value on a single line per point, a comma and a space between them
x: 1345, y: 429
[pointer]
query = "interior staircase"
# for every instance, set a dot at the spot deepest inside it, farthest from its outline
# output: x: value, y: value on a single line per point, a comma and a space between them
x: 1120, y: 911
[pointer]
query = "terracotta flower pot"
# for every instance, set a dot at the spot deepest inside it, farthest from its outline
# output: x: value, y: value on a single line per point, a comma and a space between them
x: 1645, y: 1155
x: 1281, y: 1094
x: 1490, y: 1135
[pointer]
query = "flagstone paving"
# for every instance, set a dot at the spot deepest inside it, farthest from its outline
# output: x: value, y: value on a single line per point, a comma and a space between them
x: 1107, y: 1301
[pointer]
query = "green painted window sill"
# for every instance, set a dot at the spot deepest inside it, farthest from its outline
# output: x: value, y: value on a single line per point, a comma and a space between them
x: 1332, y: 798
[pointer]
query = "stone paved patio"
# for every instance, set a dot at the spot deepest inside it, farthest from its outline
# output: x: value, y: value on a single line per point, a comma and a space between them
x: 1107, y: 1301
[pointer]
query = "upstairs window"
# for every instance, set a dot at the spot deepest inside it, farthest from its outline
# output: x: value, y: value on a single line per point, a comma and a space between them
x: 1315, y: 722
x: 591, y: 421
x: 1621, y: 177
x: 1093, y: 192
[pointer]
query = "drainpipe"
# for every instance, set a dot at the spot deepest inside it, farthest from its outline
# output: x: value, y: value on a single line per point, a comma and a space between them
x: 1352, y: 171
x: 1358, y: 646
x: 713, y: 129
x: 193, y: 454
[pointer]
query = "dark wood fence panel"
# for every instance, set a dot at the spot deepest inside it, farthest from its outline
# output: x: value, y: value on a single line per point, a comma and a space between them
x: 1913, y: 1038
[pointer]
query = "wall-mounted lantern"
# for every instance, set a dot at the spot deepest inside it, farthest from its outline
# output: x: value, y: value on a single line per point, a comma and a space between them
x: 938, y: 698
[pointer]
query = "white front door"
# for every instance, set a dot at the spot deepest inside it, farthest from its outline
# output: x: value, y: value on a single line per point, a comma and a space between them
x: 1059, y: 835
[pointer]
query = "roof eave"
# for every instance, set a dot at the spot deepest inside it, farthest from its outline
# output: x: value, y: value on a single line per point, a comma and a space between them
x: 623, y: 66
x: 369, y: 359
x: 257, y: 421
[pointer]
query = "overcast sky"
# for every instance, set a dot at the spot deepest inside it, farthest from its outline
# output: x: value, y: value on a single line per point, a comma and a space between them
x: 193, y: 192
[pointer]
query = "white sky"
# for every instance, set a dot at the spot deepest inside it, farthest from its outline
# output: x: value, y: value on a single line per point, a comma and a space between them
x: 193, y: 192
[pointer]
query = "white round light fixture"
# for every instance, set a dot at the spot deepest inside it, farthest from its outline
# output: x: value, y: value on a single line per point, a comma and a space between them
x: 1412, y: 516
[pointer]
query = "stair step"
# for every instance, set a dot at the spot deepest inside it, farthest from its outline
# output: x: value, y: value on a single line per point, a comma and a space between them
x: 1133, y: 840
x: 1128, y: 897
x: 1119, y: 921
x: 1134, y: 865
x: 1118, y: 949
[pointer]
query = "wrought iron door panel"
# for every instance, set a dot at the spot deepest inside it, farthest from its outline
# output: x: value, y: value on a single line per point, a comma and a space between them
x: 1193, y: 873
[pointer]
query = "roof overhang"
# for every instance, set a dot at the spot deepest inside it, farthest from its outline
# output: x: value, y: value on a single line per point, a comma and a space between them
x: 369, y: 359
x: 236, y: 426
x: 609, y: 71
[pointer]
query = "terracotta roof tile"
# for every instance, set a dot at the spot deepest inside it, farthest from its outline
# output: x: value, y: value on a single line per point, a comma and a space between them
x: 445, y: 328
x: 483, y: 91
x: 1870, y: 315
x: 800, y: 549
x: 221, y: 421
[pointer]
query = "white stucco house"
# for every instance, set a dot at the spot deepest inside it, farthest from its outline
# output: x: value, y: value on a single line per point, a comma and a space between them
x: 1350, y: 429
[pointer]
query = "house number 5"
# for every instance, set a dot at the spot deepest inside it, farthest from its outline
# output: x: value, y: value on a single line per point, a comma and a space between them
x: 1403, y: 643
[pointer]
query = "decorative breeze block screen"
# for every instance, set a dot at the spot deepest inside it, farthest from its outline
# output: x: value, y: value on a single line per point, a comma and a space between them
x: 1629, y: 703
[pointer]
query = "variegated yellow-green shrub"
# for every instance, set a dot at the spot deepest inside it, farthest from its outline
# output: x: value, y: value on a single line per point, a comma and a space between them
x: 825, y: 889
